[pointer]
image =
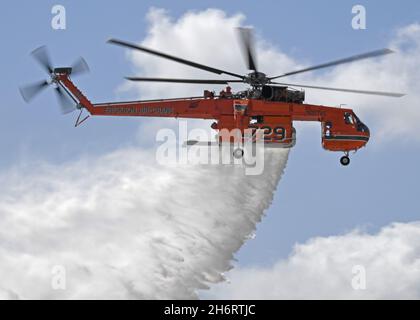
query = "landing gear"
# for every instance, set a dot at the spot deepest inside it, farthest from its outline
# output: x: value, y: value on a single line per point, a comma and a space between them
x: 238, y: 153
x: 345, y: 160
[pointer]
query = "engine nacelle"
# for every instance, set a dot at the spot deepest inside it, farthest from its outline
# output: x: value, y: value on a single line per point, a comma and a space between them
x: 272, y: 93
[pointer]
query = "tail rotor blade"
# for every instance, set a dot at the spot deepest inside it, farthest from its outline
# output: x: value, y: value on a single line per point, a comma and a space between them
x: 30, y: 91
x: 41, y: 55
x: 79, y: 66
x: 247, y: 42
x: 66, y: 104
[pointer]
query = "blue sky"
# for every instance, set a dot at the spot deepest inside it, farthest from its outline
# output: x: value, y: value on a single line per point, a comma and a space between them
x: 316, y: 197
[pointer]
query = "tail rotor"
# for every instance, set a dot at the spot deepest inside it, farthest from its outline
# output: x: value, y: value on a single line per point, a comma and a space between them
x: 65, y: 99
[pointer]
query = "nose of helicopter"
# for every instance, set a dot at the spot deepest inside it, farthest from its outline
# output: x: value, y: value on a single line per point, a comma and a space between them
x: 366, y: 140
x: 364, y: 130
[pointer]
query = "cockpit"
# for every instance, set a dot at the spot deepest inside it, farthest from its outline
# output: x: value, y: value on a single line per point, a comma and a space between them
x: 350, y: 118
x: 344, y: 132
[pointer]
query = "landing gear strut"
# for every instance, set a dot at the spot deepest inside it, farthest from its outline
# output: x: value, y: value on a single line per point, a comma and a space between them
x: 345, y: 160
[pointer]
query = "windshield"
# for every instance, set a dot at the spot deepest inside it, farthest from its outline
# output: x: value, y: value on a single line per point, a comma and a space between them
x: 360, y: 125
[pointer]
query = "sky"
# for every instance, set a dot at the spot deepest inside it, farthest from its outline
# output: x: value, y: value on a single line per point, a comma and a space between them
x: 316, y: 198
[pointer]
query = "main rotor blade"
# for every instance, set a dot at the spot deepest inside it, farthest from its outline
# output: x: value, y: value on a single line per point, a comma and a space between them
x: 378, y: 93
x: 30, y: 91
x: 173, y: 58
x: 79, y: 66
x: 247, y: 42
x: 66, y: 104
x: 210, y: 81
x: 367, y: 55
x: 41, y: 55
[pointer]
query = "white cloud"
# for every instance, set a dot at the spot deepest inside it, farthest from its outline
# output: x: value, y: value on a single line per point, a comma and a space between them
x: 322, y: 268
x: 125, y: 227
x: 209, y: 37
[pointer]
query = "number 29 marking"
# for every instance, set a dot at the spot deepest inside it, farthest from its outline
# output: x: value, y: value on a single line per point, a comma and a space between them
x: 276, y: 133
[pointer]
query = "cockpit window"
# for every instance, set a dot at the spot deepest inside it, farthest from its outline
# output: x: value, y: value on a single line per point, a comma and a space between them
x: 361, y: 127
x: 348, y: 119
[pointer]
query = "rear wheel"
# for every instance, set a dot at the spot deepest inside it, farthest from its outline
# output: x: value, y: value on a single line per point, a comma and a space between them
x: 345, y: 160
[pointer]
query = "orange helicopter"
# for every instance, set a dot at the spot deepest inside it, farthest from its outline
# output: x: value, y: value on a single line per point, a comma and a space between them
x: 267, y: 105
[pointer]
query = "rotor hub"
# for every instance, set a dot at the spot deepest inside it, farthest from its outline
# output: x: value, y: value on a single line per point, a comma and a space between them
x: 63, y: 70
x: 256, y: 79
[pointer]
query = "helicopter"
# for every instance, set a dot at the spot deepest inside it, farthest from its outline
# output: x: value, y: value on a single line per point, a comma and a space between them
x: 266, y: 106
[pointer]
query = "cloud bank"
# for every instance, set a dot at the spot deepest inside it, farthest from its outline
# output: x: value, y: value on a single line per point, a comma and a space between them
x: 123, y: 227
x: 328, y: 267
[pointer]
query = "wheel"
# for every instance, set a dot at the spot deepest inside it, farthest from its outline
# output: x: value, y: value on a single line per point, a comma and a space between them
x: 238, y: 153
x: 345, y: 160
